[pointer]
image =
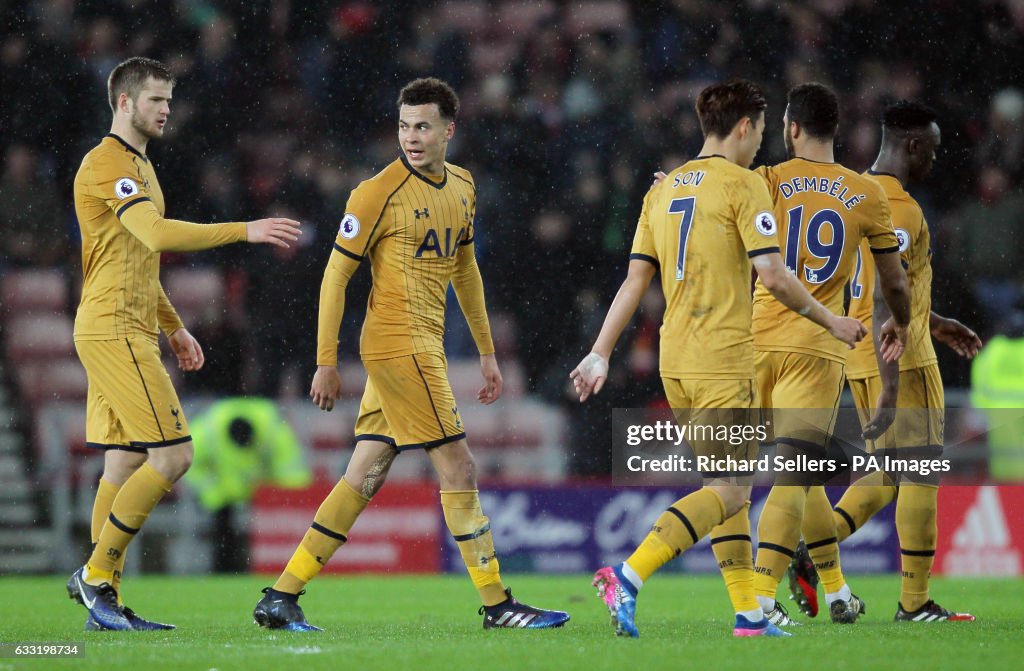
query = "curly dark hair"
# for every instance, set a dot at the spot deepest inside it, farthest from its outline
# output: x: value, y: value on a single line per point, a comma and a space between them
x: 907, y: 115
x: 431, y: 90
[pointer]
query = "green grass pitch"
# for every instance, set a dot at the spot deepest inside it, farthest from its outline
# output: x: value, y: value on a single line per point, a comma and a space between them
x: 428, y: 623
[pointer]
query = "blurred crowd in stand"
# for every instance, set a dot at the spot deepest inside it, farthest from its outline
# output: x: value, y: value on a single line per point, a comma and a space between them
x: 568, y: 107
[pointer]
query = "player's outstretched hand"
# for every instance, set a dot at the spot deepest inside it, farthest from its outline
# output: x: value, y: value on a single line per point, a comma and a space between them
x: 882, y: 419
x: 848, y: 329
x: 892, y: 340
x: 491, y: 391
x: 961, y: 339
x: 589, y: 376
x: 275, y: 231
x: 326, y: 387
x: 187, y: 349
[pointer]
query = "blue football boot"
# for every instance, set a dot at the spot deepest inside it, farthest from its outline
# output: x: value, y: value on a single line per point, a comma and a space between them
x: 280, y: 610
x: 763, y: 627
x: 100, y: 601
x: 620, y: 599
x: 510, y: 614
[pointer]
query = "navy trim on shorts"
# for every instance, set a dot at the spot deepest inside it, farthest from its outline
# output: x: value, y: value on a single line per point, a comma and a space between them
x: 802, y: 445
x: 112, y: 446
x: 376, y: 436
x: 145, y: 389
x: 713, y: 475
x: 162, y: 443
x: 430, y: 396
x: 927, y: 401
x: 431, y: 444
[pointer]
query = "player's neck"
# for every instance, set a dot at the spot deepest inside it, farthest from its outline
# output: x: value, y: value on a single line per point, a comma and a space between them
x: 724, y: 147
x: 892, y: 164
x: 820, y: 152
x: 134, y: 138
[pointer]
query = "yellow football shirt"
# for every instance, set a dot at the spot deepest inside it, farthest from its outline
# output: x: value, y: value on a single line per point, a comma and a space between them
x: 915, y: 253
x: 824, y: 211
x: 700, y: 226
x: 120, y: 210
x: 417, y: 232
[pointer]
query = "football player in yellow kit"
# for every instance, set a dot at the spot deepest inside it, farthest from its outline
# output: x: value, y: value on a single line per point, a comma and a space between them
x: 702, y: 227
x: 826, y: 211
x: 132, y: 411
x: 911, y: 391
x: 414, y: 222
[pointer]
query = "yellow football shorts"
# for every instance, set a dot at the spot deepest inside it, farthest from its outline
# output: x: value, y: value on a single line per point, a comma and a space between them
x: 131, y: 403
x: 408, y: 402
x: 715, y: 403
x: 799, y: 393
x: 920, y: 408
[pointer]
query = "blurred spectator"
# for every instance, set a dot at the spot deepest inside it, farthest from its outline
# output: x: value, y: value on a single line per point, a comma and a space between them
x: 34, y: 226
x: 567, y: 111
x: 240, y: 444
x: 990, y: 240
x: 997, y: 386
x: 1003, y: 145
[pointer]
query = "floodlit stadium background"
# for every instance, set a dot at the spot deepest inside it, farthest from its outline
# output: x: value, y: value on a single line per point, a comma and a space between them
x: 282, y: 108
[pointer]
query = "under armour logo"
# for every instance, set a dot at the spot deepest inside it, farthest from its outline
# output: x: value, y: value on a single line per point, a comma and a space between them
x: 424, y: 213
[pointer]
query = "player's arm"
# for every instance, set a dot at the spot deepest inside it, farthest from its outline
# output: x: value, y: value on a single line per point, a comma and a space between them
x: 887, y: 350
x: 590, y: 375
x: 951, y: 332
x: 185, y: 347
x: 789, y: 291
x: 160, y: 234
x: 892, y: 291
x: 326, y: 385
x: 469, y: 289
x: 166, y: 315
x: 352, y: 243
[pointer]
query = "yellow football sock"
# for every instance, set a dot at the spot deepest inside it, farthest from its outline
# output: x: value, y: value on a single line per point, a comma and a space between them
x: 329, y: 531
x: 132, y: 505
x: 860, y: 502
x: 472, y: 531
x: 917, y: 530
x: 730, y: 541
x: 105, y: 495
x: 819, y: 533
x: 677, y: 529
x: 778, y: 532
